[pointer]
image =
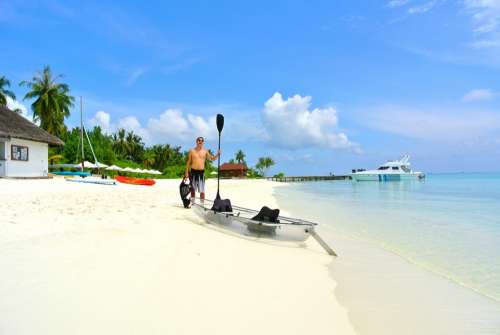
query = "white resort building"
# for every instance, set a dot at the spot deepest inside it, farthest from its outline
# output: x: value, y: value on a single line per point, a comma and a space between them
x: 23, y: 146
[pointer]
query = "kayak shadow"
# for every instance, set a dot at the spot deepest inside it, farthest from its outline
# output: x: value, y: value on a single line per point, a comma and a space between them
x: 179, y: 206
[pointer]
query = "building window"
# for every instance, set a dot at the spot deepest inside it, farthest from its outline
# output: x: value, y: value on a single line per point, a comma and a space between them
x: 19, y: 153
x: 395, y: 168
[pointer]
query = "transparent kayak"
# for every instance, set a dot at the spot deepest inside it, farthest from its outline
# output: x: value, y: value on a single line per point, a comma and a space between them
x: 240, y: 221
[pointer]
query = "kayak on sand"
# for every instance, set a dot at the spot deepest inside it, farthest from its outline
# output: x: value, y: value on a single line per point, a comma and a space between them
x: 135, y: 181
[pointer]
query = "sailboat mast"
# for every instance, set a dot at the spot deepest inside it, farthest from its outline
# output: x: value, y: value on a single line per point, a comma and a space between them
x: 81, y: 128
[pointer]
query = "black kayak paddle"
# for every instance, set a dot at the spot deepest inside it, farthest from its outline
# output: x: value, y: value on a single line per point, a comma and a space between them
x: 220, y: 205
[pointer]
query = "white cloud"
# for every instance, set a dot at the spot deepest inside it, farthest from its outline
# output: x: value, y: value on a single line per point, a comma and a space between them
x: 170, y: 126
x: 485, y: 14
x: 287, y: 156
x: 134, y: 75
x: 291, y: 124
x: 448, y: 124
x: 173, y: 125
x: 288, y: 124
x: 478, y: 95
x: 397, y: 3
x: 103, y: 120
x: 14, y: 105
x: 423, y: 8
x: 131, y: 123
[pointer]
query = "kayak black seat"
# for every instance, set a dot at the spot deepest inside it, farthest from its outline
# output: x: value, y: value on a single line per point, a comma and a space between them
x: 267, y: 214
x: 222, y: 205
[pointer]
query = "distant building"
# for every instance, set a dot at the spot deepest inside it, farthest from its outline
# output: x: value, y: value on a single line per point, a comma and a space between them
x: 233, y: 170
x: 24, y: 147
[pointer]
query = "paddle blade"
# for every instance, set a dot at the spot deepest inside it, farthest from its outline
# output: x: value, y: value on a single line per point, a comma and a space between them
x: 220, y: 122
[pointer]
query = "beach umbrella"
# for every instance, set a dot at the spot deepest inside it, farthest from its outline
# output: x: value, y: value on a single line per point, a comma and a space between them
x: 137, y: 170
x: 127, y: 169
x: 114, y: 168
x: 87, y: 165
x: 156, y: 172
x: 213, y: 173
x: 101, y: 165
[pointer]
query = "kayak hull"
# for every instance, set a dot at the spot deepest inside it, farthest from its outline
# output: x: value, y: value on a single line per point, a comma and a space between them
x: 240, y: 221
x: 92, y: 181
x: 135, y: 181
x: 71, y: 173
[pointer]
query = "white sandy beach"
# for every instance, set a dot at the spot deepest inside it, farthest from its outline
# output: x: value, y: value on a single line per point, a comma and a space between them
x: 92, y: 259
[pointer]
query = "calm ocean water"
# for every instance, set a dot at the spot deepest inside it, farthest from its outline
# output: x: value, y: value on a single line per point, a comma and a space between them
x: 448, y: 224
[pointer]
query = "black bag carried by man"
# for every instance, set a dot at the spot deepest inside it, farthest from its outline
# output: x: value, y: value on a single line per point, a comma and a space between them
x: 185, y: 192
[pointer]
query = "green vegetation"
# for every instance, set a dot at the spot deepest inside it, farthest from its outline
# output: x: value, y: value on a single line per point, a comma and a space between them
x: 240, y: 157
x: 264, y: 164
x: 4, y: 92
x: 260, y: 169
x: 52, y: 101
x: 102, y: 144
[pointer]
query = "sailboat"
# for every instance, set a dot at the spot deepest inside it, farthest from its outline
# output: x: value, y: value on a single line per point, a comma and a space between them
x: 83, y: 176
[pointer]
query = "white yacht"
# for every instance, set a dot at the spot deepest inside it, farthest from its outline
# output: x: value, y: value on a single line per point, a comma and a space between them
x: 390, y: 171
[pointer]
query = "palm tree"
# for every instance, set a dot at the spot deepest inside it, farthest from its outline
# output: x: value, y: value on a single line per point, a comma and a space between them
x: 135, y: 147
x: 4, y: 92
x: 149, y: 158
x: 264, y: 164
x: 161, y: 156
x: 120, y: 144
x: 52, y: 101
x: 240, y: 157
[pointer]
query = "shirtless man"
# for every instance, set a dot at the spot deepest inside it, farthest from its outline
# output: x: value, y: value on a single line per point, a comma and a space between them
x: 196, y: 161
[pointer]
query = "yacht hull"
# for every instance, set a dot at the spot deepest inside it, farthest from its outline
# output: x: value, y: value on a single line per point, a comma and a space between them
x: 385, y: 177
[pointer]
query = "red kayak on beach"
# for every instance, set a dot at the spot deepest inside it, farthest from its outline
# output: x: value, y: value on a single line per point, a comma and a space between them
x: 135, y: 181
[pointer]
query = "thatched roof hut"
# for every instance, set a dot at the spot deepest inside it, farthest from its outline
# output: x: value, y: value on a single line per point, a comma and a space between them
x: 23, y: 146
x: 13, y: 125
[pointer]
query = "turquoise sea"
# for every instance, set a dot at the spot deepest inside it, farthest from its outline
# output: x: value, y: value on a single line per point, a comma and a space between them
x: 448, y: 224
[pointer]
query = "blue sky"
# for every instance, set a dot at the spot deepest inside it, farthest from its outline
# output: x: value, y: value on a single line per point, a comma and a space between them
x: 321, y: 86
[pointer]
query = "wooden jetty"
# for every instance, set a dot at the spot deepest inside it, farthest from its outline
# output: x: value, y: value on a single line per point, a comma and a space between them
x: 307, y: 178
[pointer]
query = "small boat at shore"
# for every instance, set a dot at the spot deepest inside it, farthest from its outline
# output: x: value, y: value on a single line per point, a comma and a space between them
x: 390, y: 171
x: 263, y: 223
x: 293, y: 229
x: 72, y: 173
x: 91, y: 180
x: 135, y: 181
